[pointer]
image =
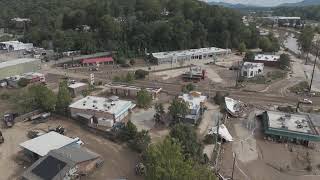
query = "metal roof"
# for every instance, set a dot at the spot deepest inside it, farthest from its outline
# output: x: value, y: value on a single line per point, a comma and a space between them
x: 76, y: 154
x: 102, y: 104
x: 190, y: 52
x: 77, y: 85
x: 265, y: 57
x: 17, y: 61
x: 47, y: 142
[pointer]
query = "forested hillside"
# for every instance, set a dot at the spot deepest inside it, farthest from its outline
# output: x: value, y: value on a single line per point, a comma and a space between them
x: 130, y: 26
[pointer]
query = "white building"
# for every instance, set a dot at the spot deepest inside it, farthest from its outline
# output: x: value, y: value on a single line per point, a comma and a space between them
x: 267, y: 60
x: 47, y: 142
x: 15, y: 46
x: 101, y: 111
x: 173, y: 57
x: 265, y: 57
x: 196, y: 102
x: 250, y: 70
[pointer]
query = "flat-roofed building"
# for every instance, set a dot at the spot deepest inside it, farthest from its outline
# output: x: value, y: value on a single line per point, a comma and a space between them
x: 18, y: 67
x: 15, y: 46
x: 290, y: 127
x: 251, y: 69
x: 196, y: 102
x: 101, y: 111
x: 267, y: 60
x: 132, y: 91
x: 192, y: 55
x: 77, y: 88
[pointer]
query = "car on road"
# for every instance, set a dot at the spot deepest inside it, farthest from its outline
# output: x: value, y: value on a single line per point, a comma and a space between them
x: 306, y: 101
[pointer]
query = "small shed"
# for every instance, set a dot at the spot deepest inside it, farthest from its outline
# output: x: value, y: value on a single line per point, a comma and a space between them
x: 77, y: 88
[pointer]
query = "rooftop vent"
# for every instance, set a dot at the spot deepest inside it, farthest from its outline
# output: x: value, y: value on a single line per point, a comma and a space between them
x: 283, y: 125
x: 288, y: 115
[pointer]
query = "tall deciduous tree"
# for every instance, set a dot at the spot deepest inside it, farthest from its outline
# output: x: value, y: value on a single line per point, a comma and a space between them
x: 165, y: 160
x: 305, y: 40
x: 63, y: 98
x: 178, y: 110
x: 37, y: 97
x: 144, y: 99
x: 242, y: 47
x: 160, y: 114
x: 187, y: 136
x: 284, y: 61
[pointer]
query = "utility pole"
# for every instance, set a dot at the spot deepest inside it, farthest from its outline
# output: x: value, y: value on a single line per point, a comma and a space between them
x: 216, y: 144
x: 315, y: 63
x: 234, y: 162
x: 237, y: 73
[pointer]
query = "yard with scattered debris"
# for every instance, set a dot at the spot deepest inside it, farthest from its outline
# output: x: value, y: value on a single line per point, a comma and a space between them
x: 260, y: 159
x: 119, y: 159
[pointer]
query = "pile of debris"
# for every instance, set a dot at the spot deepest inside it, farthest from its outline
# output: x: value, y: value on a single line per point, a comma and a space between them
x: 235, y: 108
x: 195, y: 73
x: 222, y: 131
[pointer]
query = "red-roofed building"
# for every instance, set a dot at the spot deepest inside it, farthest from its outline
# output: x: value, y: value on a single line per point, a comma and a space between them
x: 101, y: 60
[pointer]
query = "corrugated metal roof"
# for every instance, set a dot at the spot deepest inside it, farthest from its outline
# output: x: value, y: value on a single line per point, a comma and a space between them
x: 47, y: 142
x: 76, y: 154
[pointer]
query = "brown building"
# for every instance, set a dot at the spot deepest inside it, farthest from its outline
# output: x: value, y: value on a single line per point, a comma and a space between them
x: 132, y: 91
x: 77, y: 88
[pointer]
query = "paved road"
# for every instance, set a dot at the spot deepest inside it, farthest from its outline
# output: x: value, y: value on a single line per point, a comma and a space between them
x: 251, y: 97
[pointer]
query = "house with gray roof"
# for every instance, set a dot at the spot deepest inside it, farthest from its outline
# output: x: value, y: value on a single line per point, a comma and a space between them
x: 64, y: 163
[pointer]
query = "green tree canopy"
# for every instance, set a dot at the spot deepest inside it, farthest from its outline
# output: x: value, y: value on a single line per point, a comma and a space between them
x: 249, y: 56
x: 189, y: 87
x: 285, y: 61
x: 141, y: 74
x: 242, y: 47
x: 130, y: 26
x: 141, y: 141
x: 144, y: 99
x: 159, y: 116
x: 63, y: 98
x: 265, y: 44
x: 37, y: 97
x: 165, y: 160
x: 187, y: 136
x: 305, y: 40
x: 178, y: 109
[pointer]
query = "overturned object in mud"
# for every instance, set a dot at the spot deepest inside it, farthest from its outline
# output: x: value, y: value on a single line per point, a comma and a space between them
x: 223, y: 132
x: 235, y: 108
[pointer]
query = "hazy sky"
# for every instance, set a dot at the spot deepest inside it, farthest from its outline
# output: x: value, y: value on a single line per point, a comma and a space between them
x: 259, y: 2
